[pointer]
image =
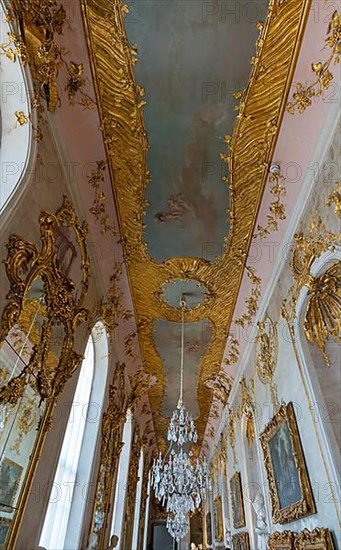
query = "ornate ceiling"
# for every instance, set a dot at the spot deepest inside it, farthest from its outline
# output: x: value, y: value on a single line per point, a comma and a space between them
x: 188, y: 170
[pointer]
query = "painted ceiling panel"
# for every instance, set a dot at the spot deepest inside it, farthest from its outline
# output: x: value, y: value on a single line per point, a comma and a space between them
x: 178, y: 51
x: 192, y: 58
x: 167, y: 337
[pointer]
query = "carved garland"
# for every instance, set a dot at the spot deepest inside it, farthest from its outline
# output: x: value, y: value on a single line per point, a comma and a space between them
x: 302, y: 98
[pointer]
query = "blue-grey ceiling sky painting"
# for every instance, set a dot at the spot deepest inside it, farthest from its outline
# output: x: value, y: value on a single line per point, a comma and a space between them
x: 167, y: 337
x: 192, y: 57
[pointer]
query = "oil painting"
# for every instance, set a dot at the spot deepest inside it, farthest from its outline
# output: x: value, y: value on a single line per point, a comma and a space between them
x: 290, y: 490
x: 237, y: 501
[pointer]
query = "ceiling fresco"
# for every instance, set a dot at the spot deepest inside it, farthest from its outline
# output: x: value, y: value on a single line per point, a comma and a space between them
x: 191, y: 62
x: 170, y: 202
x: 167, y: 340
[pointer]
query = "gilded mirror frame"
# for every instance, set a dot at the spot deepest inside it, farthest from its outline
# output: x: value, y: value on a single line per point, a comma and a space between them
x: 62, y: 306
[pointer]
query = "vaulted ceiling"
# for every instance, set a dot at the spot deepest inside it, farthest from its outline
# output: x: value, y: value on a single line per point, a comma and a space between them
x: 190, y: 127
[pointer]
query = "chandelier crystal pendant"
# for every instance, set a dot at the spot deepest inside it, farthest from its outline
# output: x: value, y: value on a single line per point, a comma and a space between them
x: 180, y: 482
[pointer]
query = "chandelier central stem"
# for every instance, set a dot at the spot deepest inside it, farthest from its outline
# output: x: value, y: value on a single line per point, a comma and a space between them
x: 183, y: 305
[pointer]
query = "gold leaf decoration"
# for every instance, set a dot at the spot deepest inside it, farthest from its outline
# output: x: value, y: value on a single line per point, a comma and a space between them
x: 323, y: 315
x: 277, y: 207
x: 96, y: 180
x: 302, y: 98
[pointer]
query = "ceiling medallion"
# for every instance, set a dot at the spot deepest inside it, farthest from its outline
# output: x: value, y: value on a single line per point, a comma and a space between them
x: 178, y: 482
x: 196, y: 293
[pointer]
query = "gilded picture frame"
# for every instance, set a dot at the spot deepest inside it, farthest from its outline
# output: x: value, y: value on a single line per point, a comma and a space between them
x: 10, y: 474
x: 218, y: 519
x: 318, y: 539
x: 290, y: 489
x: 283, y: 540
x: 241, y: 541
x: 237, y: 501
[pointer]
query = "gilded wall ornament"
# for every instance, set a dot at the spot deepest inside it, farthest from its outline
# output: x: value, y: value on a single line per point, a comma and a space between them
x: 267, y: 354
x: 111, y: 309
x: 38, y: 25
x: 126, y: 143
x: 253, y: 300
x: 323, y: 315
x: 302, y: 98
x: 277, y: 207
x: 45, y: 269
x: 335, y: 198
x: 231, y: 430
x: 220, y: 384
x: 96, y: 180
x: 25, y: 264
x: 308, y: 247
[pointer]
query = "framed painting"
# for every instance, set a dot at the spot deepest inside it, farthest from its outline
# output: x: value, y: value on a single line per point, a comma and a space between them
x: 4, y: 528
x: 241, y: 541
x: 318, y: 539
x: 10, y: 474
x: 237, y: 501
x: 290, y: 490
x: 218, y: 519
x: 281, y: 540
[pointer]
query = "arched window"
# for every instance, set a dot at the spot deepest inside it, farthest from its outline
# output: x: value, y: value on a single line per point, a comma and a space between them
x: 65, y: 512
x: 15, y: 138
x: 122, y: 477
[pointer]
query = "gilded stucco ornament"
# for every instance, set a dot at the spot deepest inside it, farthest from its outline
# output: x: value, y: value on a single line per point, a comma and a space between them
x: 277, y: 207
x: 335, y: 199
x: 25, y: 264
x: 110, y: 309
x: 252, y: 300
x: 267, y: 354
x: 302, y: 98
x: 323, y: 315
x: 231, y: 430
x: 308, y: 247
x: 38, y: 24
x: 249, y: 154
x: 58, y: 270
x: 98, y: 209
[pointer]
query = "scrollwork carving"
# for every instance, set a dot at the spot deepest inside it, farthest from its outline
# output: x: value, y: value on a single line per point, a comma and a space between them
x: 323, y: 315
x: 267, y: 354
x: 26, y: 263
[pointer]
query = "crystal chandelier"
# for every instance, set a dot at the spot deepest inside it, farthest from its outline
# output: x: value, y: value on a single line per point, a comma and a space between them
x: 179, y: 482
